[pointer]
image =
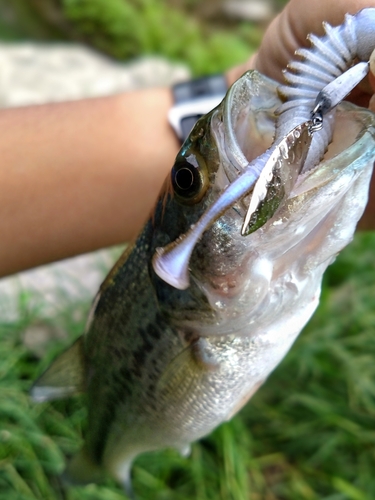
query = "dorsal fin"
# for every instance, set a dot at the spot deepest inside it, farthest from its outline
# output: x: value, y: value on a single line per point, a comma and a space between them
x: 64, y: 377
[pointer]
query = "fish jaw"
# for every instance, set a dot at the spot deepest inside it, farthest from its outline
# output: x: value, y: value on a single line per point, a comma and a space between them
x: 238, y: 274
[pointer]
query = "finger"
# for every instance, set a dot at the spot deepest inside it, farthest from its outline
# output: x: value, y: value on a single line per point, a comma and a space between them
x: 289, y: 29
x: 372, y: 80
x: 372, y: 71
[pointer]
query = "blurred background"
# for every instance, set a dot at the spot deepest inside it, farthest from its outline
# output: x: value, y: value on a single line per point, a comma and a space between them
x: 309, y: 432
x: 207, y: 36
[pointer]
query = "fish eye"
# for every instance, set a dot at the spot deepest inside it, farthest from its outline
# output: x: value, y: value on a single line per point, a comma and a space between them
x: 189, y: 178
x: 184, y: 179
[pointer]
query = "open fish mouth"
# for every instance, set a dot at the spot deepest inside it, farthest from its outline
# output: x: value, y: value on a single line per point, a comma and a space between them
x: 243, y: 127
x: 248, y: 130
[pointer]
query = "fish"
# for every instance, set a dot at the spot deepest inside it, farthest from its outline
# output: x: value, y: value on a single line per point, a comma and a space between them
x: 195, y: 315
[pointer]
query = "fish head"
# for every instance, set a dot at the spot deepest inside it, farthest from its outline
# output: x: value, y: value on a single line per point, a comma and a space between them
x: 217, y: 151
x: 301, y: 221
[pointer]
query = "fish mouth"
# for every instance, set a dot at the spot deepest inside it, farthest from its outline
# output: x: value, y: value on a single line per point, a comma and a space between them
x: 248, y: 127
x: 243, y: 127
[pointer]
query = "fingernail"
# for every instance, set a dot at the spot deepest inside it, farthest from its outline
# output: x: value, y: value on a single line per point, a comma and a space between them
x: 372, y: 62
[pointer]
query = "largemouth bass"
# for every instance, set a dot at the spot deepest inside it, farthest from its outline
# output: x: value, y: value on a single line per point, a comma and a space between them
x: 181, y: 336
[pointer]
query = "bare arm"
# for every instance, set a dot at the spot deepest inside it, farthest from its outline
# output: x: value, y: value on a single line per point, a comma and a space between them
x: 80, y: 175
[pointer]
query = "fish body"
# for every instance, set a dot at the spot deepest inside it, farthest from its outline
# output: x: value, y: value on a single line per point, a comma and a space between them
x: 164, y: 366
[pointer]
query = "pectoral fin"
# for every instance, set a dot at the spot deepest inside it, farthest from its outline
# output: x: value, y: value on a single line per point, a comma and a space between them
x: 64, y: 377
x: 188, y: 366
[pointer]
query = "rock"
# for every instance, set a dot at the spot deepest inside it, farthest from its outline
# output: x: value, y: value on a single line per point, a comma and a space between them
x: 249, y: 10
x: 38, y: 73
x: 37, y: 338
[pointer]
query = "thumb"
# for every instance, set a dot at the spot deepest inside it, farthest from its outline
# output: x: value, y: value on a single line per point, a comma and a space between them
x: 288, y: 31
x: 372, y: 80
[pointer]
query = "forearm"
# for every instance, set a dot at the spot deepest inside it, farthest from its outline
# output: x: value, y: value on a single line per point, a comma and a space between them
x: 79, y: 176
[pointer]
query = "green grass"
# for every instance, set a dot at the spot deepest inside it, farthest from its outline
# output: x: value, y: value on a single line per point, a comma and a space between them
x: 126, y: 29
x: 308, y: 434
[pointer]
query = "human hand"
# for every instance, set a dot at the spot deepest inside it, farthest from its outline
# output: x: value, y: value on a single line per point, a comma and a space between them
x: 288, y: 32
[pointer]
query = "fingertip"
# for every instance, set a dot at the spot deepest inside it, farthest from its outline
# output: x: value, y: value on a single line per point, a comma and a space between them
x: 371, y: 78
x: 372, y: 70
